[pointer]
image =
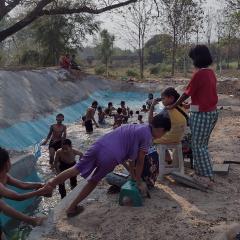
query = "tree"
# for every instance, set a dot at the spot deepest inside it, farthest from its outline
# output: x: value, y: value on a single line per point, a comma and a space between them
x: 138, y: 21
x: 59, y: 34
x: 180, y: 17
x: 32, y: 10
x: 105, y: 48
x: 157, y: 49
x: 234, y: 4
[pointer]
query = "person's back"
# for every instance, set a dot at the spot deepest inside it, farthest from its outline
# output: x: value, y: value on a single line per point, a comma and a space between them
x: 125, y: 140
x: 204, y: 87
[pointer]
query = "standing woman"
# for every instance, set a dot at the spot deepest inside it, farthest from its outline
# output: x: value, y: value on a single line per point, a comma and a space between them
x: 203, y: 111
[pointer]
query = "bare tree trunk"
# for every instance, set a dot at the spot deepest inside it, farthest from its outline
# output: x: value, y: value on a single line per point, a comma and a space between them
x: 173, y: 56
x: 228, y: 52
x: 238, y: 57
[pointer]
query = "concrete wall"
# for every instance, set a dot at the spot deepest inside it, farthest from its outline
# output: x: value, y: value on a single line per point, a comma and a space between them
x: 23, y: 166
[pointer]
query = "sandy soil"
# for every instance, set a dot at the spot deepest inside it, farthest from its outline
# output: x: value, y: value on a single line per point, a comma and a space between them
x: 174, y: 211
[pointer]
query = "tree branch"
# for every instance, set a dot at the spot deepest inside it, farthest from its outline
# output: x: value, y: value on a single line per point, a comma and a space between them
x: 5, y: 9
x: 38, y: 12
x: 85, y: 9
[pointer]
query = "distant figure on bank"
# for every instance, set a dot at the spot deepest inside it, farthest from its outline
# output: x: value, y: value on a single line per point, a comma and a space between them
x: 118, y: 118
x: 140, y: 117
x: 57, y: 134
x: 73, y: 63
x: 65, y: 159
x: 144, y: 109
x: 149, y: 100
x: 101, y: 115
x: 90, y: 117
x: 126, y: 145
x: 65, y: 61
x: 109, y: 110
x: 5, y: 192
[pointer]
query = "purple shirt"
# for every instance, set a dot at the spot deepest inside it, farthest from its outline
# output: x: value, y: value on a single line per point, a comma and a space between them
x: 126, y: 141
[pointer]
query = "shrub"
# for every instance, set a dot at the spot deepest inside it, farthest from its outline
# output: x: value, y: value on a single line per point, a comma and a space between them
x: 100, y: 70
x: 155, y: 70
x: 131, y: 73
x: 30, y: 57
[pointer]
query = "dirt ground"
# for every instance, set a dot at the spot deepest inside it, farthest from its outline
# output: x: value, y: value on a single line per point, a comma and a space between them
x: 174, y: 211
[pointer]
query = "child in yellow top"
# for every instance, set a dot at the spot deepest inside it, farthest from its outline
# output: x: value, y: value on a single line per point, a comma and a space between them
x: 178, y: 120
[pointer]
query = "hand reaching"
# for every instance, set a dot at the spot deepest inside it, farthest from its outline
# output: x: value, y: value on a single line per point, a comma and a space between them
x: 38, y: 185
x: 45, y: 191
x: 37, y: 221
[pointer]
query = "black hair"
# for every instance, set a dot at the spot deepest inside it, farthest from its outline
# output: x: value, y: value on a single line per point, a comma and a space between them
x: 83, y: 118
x: 140, y: 117
x: 67, y: 142
x: 119, y: 110
x: 144, y: 106
x: 110, y: 104
x: 150, y: 95
x: 131, y: 112
x: 123, y: 102
x: 137, y: 112
x: 60, y: 115
x: 201, y: 56
x: 171, y: 92
x: 94, y: 103
x: 99, y: 108
x: 161, y: 121
x: 4, y: 158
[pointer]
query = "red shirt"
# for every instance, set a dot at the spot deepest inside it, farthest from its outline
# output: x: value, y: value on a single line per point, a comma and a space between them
x: 203, y: 90
x: 65, y: 62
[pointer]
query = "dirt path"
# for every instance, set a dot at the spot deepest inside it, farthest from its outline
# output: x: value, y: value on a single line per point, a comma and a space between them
x: 174, y: 211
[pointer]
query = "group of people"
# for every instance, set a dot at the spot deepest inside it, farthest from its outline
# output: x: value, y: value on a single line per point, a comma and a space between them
x: 67, y: 62
x: 129, y: 143
x: 120, y: 115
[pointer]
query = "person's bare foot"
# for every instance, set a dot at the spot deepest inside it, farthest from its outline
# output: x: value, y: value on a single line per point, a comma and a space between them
x: 74, y: 212
x: 205, y: 181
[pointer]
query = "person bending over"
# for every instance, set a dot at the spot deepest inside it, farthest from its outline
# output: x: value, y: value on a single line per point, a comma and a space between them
x: 57, y: 134
x: 65, y: 159
x: 5, y: 192
x: 128, y: 143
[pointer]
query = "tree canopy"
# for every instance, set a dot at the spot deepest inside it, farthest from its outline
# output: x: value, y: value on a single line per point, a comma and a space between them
x: 33, y: 9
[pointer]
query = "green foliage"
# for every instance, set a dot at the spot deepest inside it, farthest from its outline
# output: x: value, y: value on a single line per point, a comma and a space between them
x: 132, y: 73
x: 105, y: 48
x: 158, y: 49
x: 100, y: 70
x: 51, y: 36
x: 155, y: 70
x: 30, y: 57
